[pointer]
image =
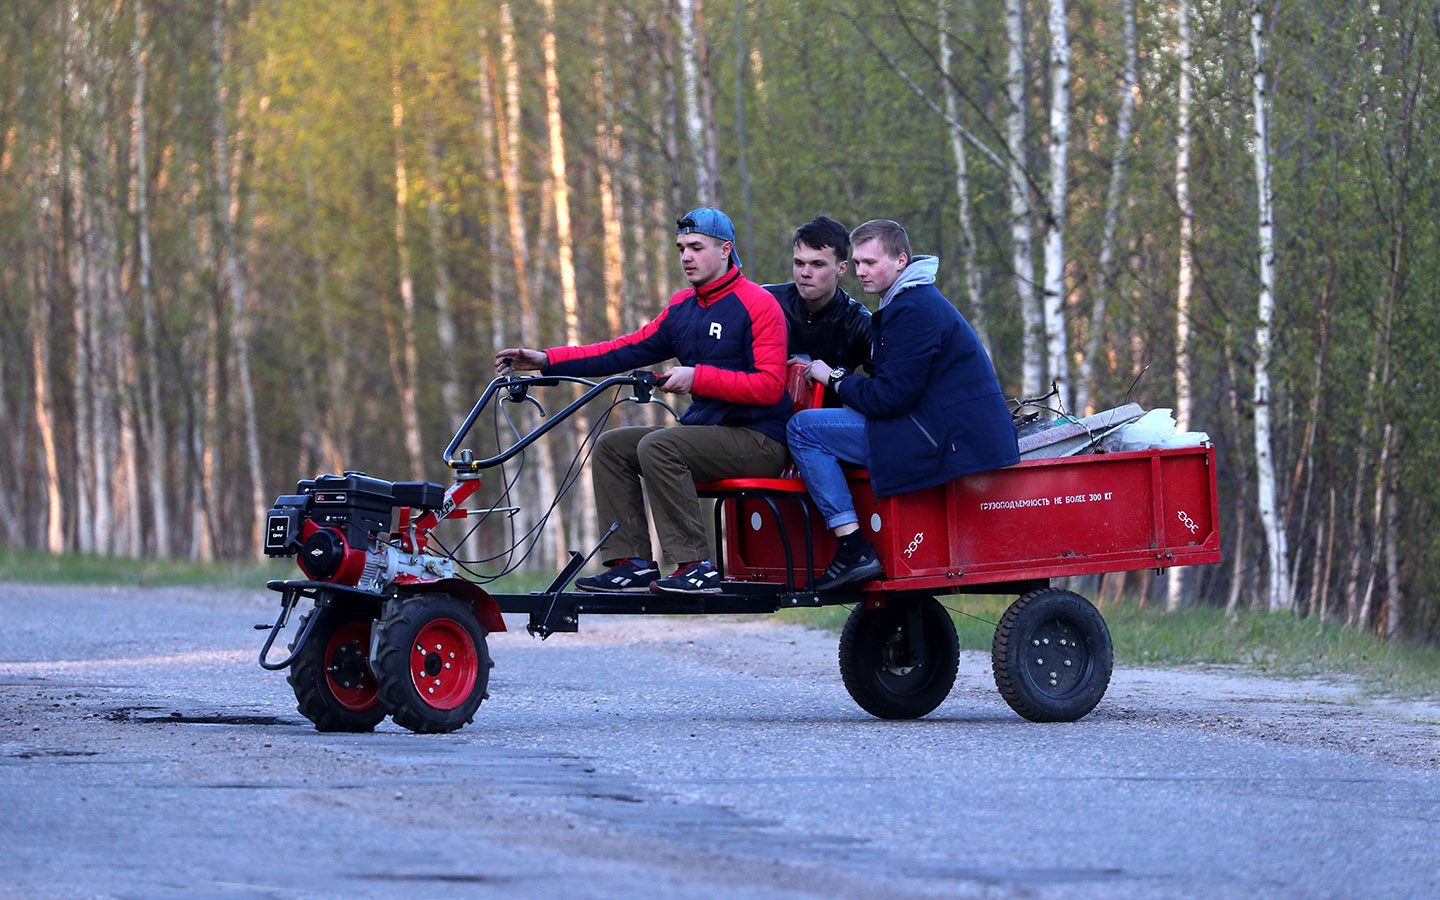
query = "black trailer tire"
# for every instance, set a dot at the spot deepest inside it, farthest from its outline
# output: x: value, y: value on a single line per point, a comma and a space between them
x: 874, y: 660
x: 432, y: 662
x: 333, y: 683
x: 1052, y: 656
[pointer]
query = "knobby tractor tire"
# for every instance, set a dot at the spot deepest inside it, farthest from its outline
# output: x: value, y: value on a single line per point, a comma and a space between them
x: 1052, y: 656
x: 331, y: 677
x: 432, y: 662
x: 876, y: 663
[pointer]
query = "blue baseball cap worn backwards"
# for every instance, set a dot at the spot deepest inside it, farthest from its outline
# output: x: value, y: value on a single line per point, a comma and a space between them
x: 710, y: 222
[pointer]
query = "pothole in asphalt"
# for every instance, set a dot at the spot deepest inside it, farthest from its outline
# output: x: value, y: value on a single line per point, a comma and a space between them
x: 147, y: 714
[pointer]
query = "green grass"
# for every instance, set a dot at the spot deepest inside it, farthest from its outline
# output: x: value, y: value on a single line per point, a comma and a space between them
x: 38, y: 567
x: 1271, y: 643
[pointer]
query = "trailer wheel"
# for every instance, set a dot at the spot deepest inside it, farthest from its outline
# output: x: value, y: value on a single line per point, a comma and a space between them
x: 432, y: 663
x: 1052, y: 656
x: 331, y: 677
x: 884, y: 674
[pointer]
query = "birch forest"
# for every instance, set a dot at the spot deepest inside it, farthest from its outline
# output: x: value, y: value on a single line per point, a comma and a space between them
x: 245, y: 242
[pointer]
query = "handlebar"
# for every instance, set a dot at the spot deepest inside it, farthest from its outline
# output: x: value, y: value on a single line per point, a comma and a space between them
x: 518, y: 387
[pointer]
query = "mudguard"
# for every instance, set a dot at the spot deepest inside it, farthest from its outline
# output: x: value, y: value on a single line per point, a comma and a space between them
x: 487, y: 611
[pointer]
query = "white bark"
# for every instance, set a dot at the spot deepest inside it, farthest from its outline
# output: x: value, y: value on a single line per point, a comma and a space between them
x: 445, y: 333
x: 45, y: 424
x: 1394, y: 598
x: 1087, y: 382
x: 565, y: 239
x: 410, y: 371
x: 1022, y: 257
x: 1279, y: 596
x: 553, y: 542
x: 1057, y: 355
x: 692, y: 41
x: 962, y: 183
x: 1186, y: 275
x: 607, y: 142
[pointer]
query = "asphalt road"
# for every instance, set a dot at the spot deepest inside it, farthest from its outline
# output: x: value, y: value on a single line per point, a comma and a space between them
x: 144, y: 754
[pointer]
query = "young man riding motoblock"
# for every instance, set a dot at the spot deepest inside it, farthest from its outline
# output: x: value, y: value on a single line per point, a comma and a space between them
x: 728, y: 335
x: 933, y: 410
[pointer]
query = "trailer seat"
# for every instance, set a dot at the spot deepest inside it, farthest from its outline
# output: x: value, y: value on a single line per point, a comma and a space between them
x: 787, y: 485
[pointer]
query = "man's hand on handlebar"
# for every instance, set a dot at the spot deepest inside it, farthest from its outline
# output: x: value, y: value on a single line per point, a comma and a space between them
x: 677, y: 380
x: 519, y: 359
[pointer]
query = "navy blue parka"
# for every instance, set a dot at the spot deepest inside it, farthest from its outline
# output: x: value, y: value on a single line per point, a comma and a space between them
x: 933, y: 410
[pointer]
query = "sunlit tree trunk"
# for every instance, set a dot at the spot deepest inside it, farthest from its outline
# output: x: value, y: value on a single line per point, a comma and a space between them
x: 1022, y: 258
x: 607, y: 143
x: 234, y: 278
x: 507, y: 130
x: 408, y: 367
x: 1057, y: 357
x: 45, y: 422
x: 1279, y: 596
x: 699, y: 121
x: 565, y: 240
x: 968, y: 263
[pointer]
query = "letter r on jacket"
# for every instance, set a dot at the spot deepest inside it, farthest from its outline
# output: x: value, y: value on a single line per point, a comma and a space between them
x: 715, y: 330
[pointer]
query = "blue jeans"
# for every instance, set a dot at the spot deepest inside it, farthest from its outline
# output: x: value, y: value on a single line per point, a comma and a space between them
x: 820, y: 439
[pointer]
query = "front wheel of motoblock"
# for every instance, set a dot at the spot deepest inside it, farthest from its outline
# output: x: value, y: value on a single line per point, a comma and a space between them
x: 432, y: 663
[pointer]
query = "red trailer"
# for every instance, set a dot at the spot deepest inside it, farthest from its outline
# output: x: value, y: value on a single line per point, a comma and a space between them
x: 395, y: 631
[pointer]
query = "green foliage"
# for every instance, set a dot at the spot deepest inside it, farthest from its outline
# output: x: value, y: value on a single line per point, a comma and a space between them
x: 328, y: 103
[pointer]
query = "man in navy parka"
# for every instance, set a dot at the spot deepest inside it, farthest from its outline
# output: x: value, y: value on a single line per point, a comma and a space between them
x: 932, y: 412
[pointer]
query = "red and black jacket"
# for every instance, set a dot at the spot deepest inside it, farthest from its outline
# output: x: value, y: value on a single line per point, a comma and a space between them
x: 731, y: 330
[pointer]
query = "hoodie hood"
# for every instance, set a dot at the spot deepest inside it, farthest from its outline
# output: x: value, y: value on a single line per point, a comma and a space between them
x: 921, y: 270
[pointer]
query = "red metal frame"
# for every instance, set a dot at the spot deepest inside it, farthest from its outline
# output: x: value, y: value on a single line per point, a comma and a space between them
x: 1044, y: 518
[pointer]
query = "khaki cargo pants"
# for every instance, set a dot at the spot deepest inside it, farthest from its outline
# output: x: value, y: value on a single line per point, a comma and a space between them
x: 668, y: 461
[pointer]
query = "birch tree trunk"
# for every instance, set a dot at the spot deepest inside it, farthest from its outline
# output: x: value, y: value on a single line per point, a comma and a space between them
x: 1087, y: 384
x: 45, y: 422
x: 445, y: 331
x: 696, y: 81
x: 409, y: 370
x: 1382, y: 469
x: 1279, y: 596
x: 507, y: 130
x: 968, y: 264
x: 607, y: 142
x: 565, y: 240
x: 1394, y: 597
x: 1022, y: 258
x: 1186, y: 276
x: 152, y: 419
x: 1057, y: 355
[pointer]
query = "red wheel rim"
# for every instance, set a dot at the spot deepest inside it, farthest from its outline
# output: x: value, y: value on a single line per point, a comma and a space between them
x: 443, y: 664
x: 347, y: 667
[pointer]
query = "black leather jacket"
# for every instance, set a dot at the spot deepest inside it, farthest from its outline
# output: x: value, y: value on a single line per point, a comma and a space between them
x: 839, y: 333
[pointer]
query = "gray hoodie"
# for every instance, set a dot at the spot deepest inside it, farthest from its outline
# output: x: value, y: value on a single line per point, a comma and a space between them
x: 921, y: 270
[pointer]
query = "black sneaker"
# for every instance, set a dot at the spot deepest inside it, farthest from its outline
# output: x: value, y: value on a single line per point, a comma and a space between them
x: 844, y: 573
x: 628, y: 576
x: 691, y: 578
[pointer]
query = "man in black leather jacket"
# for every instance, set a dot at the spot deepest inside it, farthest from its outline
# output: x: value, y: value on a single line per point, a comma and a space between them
x: 825, y: 322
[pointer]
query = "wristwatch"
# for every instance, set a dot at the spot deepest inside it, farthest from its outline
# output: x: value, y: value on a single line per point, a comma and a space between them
x: 835, y: 376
